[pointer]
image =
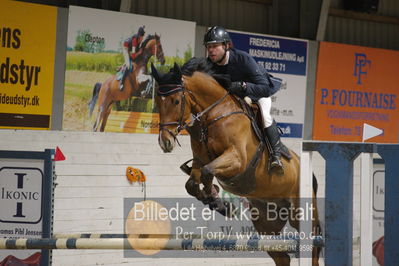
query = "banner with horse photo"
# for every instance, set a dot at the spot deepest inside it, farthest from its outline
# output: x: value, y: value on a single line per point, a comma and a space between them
x: 108, y: 83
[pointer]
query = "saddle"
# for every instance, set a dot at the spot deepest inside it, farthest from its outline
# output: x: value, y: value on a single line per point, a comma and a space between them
x: 254, y: 114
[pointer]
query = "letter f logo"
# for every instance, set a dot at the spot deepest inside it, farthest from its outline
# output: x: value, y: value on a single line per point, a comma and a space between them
x: 360, y: 63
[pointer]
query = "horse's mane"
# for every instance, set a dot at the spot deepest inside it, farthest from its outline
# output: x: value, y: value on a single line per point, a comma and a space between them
x: 148, y: 38
x: 203, y: 65
x: 197, y: 64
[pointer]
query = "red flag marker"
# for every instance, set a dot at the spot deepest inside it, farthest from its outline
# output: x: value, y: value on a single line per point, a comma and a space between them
x: 59, y: 156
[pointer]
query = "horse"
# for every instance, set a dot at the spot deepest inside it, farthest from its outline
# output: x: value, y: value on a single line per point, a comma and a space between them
x: 226, y: 146
x: 109, y: 92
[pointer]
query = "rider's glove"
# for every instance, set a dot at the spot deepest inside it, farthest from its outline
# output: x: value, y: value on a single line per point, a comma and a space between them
x: 238, y: 87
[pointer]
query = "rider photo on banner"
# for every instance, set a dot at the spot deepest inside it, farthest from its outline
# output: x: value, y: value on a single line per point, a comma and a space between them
x: 284, y: 58
x: 108, y: 83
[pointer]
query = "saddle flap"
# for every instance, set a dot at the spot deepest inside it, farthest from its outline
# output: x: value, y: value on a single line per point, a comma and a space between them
x: 257, y: 124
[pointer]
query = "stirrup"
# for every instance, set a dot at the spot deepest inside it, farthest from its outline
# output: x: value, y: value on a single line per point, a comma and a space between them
x: 275, y: 165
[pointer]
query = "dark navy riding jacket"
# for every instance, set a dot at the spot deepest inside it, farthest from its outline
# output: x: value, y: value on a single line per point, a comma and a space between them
x: 242, y: 67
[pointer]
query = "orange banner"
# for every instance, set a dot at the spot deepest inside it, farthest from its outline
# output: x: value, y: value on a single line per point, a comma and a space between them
x: 356, y: 86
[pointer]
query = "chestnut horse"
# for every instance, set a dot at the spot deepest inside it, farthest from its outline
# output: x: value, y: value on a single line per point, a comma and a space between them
x: 225, y: 146
x: 109, y: 92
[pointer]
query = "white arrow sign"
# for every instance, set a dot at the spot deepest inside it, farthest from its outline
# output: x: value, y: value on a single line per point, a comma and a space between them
x: 370, y: 131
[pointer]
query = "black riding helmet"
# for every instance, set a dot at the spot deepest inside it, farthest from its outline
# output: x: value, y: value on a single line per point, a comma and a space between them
x: 141, y: 31
x: 216, y: 34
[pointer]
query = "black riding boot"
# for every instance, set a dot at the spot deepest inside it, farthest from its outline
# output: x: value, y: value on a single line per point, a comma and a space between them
x: 273, y: 135
x: 122, y: 80
x: 126, y: 71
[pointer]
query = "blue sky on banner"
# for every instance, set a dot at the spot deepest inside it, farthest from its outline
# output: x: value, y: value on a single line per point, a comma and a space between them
x: 114, y: 27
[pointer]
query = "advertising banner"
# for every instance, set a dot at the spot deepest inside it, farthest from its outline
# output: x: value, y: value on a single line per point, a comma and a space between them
x: 21, y: 201
x: 284, y: 58
x: 108, y: 86
x: 27, y: 52
x: 356, y: 88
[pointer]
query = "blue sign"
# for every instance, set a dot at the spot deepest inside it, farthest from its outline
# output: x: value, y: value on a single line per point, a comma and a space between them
x: 276, y: 55
x: 291, y: 130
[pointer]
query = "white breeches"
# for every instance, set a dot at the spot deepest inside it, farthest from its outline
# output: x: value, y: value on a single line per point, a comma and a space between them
x: 265, y: 106
x: 126, y: 57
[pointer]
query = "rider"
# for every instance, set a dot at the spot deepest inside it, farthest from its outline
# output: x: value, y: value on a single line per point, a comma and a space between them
x: 248, y: 79
x: 131, y: 50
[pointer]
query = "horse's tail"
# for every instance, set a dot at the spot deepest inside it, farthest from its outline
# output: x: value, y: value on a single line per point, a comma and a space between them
x: 92, y: 103
x: 320, y: 224
x: 315, y: 185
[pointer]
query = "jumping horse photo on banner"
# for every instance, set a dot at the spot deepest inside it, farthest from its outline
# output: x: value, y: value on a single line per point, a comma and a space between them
x: 107, y: 93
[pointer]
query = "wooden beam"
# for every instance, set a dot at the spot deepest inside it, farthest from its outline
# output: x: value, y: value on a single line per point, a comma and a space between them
x: 363, y: 16
x: 321, y: 29
x: 126, y: 6
x: 264, y: 2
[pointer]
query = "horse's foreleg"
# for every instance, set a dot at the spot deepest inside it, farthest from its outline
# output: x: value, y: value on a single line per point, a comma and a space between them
x: 193, y: 183
x: 212, y: 199
x: 148, y: 87
x: 193, y: 186
x: 226, y: 165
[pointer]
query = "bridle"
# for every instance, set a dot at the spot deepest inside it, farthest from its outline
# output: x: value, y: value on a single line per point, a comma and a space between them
x: 180, y: 123
x: 180, y: 126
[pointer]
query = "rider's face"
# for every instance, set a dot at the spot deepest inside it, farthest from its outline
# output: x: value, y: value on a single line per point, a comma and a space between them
x: 215, y: 51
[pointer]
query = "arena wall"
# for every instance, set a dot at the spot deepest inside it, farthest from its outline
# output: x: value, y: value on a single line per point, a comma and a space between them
x: 91, y: 184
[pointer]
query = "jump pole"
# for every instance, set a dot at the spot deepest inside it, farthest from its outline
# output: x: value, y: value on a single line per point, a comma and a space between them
x: 281, y: 245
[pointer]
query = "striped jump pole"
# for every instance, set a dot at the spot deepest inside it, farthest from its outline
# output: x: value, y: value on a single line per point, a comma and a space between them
x: 276, y: 244
x: 111, y: 235
x: 163, y: 236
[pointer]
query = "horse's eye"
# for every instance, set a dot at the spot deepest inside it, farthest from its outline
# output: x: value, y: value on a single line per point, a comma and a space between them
x: 177, y: 102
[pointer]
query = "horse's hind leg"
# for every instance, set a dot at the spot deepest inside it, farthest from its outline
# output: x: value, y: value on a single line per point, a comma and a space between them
x: 105, y: 117
x: 98, y: 119
x: 264, y: 225
x: 280, y: 258
x: 316, y: 228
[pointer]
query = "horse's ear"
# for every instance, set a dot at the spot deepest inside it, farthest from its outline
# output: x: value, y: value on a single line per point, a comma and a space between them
x: 155, y: 73
x: 177, y: 71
